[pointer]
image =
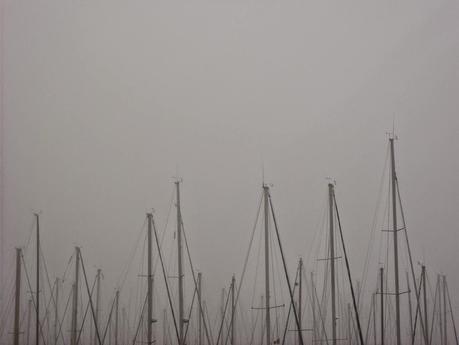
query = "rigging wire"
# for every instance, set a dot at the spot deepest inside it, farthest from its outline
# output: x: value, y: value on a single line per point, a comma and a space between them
x: 85, y: 314
x: 165, y: 279
x: 284, y: 264
x: 33, y: 300
x: 356, y: 311
x: 96, y: 326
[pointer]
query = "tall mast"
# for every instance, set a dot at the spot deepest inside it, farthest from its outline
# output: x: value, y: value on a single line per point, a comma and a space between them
x: 150, y: 282
x: 199, y: 309
x: 300, y: 303
x: 56, y: 312
x: 332, y: 261
x: 233, y: 308
x: 180, y: 264
x: 424, y: 285
x: 440, y: 308
x: 267, y: 293
x: 395, y: 230
x: 117, y: 301
x: 99, y: 271
x: 445, y: 320
x: 74, y: 330
x: 17, y: 304
x: 37, y: 312
x: 381, y: 292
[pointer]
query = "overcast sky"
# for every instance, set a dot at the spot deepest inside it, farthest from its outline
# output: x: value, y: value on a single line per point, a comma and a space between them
x: 105, y: 101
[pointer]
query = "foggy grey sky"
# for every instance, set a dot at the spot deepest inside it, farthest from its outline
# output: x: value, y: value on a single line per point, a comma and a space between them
x: 105, y: 99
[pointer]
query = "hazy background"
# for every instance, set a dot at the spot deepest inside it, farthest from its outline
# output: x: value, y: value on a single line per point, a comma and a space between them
x: 104, y: 101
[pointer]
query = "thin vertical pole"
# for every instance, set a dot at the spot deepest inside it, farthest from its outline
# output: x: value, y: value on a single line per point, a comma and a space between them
x: 381, y: 292
x: 17, y: 304
x: 424, y: 288
x: 332, y: 262
x: 150, y: 281
x: 180, y: 264
x: 56, y: 312
x: 199, y: 309
x: 37, y: 313
x: 74, y: 331
x: 445, y: 320
x: 117, y: 301
x: 300, y: 302
x: 267, y: 293
x: 233, y: 308
x: 395, y: 230
x: 440, y: 308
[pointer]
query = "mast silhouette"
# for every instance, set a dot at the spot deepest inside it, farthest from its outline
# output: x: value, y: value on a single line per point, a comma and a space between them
x: 267, y: 292
x: 332, y: 260
x: 37, y: 312
x: 395, y: 231
x: 74, y: 334
x: 180, y: 266
x: 150, y: 281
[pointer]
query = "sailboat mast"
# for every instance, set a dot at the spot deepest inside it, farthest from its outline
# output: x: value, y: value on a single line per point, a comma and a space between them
x: 332, y: 261
x: 381, y: 292
x: 150, y: 281
x: 395, y: 230
x: 199, y: 309
x: 37, y: 312
x: 440, y: 309
x: 233, y: 308
x: 445, y: 321
x: 180, y: 264
x: 424, y: 286
x: 17, y: 304
x: 300, y: 303
x: 75, y: 299
x: 267, y: 293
